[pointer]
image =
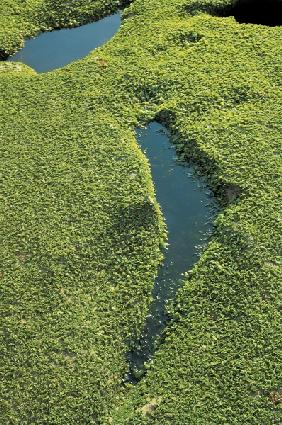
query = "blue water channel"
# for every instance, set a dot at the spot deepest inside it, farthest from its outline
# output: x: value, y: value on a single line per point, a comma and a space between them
x: 55, y: 49
x: 188, y: 207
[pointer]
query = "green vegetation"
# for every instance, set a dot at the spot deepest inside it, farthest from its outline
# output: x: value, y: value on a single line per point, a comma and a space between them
x: 81, y: 230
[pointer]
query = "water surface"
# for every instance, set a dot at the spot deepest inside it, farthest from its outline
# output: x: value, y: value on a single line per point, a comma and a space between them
x: 188, y: 208
x: 51, y: 50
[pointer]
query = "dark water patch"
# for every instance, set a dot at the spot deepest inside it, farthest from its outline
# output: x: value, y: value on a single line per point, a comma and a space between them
x: 188, y: 208
x: 3, y: 55
x: 263, y: 12
x: 260, y: 12
x: 51, y: 50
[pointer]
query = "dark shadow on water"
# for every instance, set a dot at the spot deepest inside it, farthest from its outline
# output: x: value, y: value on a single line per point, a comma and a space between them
x: 260, y: 12
x: 55, y: 49
x: 188, y: 207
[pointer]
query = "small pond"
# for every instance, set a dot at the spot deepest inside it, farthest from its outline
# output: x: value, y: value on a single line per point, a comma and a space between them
x: 55, y: 49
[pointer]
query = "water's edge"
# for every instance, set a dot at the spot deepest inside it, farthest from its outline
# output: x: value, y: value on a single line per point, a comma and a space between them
x: 188, y: 208
x: 55, y: 49
x: 187, y: 204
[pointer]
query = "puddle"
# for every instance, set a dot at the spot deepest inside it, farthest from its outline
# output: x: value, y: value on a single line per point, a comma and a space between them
x: 55, y: 49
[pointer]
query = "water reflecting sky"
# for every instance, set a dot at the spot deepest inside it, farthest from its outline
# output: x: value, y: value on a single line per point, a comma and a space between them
x: 51, y: 50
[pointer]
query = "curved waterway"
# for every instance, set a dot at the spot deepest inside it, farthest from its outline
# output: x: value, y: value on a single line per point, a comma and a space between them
x: 51, y: 50
x: 189, y: 208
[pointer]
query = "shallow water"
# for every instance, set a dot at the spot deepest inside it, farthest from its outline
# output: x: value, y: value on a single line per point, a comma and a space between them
x: 51, y: 50
x: 188, y: 208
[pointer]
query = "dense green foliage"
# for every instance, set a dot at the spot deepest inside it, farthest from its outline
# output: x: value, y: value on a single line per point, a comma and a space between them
x: 81, y: 229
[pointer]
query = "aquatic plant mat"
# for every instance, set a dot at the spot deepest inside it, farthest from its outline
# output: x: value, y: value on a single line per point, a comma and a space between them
x: 82, y: 233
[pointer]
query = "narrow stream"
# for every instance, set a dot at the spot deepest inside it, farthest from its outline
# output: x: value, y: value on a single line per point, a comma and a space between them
x: 188, y: 208
x: 51, y: 50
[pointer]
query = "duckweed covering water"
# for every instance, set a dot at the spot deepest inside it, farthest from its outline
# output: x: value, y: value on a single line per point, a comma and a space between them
x: 82, y: 232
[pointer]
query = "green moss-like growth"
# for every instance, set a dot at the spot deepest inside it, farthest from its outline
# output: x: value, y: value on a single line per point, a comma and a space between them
x: 82, y: 231
x: 16, y: 67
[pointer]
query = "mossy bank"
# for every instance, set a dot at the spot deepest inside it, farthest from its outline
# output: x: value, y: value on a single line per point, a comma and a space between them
x: 82, y: 232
